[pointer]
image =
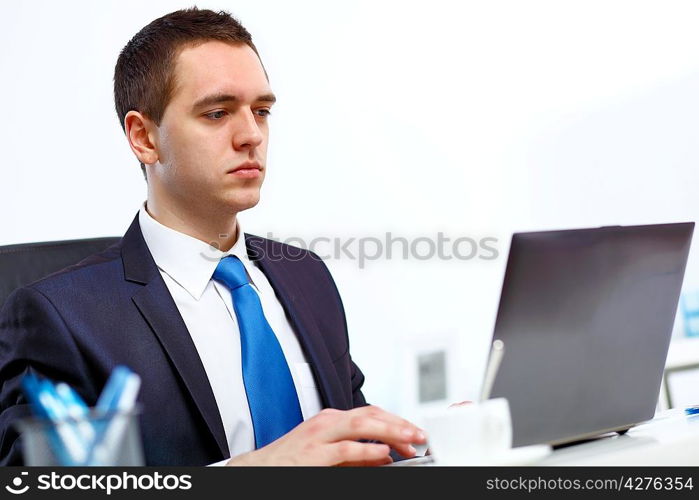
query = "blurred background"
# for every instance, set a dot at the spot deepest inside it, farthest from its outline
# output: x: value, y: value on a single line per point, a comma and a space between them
x: 467, y: 119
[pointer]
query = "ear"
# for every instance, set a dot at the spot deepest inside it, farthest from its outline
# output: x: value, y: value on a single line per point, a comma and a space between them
x: 140, y: 132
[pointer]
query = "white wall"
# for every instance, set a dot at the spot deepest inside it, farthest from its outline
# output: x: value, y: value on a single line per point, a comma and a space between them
x: 471, y: 118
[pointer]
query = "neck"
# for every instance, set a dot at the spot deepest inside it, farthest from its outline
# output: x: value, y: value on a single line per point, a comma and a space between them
x: 219, y: 230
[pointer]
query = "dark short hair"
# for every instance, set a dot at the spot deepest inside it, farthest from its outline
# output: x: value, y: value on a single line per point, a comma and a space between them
x: 144, y: 75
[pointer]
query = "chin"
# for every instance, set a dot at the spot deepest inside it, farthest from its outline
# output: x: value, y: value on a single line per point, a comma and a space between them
x: 238, y: 204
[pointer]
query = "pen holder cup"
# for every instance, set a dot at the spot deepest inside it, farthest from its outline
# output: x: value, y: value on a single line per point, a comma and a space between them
x: 99, y: 438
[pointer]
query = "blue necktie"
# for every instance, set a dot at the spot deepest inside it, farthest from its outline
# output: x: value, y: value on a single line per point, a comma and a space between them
x: 274, y: 405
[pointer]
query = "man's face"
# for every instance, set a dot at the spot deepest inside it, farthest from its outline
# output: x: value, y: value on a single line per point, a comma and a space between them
x: 215, y: 122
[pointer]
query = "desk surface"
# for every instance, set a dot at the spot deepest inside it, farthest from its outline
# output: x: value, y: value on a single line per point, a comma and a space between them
x: 671, y: 438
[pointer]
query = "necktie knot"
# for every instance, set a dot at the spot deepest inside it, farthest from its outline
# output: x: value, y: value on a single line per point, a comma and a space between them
x: 231, y: 272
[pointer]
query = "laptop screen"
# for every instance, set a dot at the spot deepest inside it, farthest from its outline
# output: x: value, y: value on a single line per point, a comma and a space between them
x: 586, y: 317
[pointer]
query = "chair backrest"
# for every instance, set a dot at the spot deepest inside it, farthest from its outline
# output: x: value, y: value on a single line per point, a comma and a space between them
x: 27, y: 262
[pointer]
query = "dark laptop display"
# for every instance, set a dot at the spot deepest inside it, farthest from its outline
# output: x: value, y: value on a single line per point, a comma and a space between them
x: 586, y: 317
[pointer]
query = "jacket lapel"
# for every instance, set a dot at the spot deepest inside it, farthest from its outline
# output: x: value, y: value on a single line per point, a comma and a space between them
x: 160, y: 311
x: 300, y: 314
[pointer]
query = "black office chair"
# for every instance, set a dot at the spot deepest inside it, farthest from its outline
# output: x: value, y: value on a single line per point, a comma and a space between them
x: 27, y: 262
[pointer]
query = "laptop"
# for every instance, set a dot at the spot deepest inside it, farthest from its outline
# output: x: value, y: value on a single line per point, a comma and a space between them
x: 586, y: 317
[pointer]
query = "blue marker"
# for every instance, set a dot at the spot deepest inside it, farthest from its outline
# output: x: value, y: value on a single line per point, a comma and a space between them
x: 692, y: 410
x: 77, y: 410
x: 118, y: 396
x: 66, y: 441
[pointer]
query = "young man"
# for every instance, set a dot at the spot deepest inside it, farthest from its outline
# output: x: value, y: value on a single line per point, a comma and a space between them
x: 240, y: 341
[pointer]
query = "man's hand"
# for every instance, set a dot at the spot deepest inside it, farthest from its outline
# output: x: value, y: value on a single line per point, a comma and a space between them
x: 331, y: 438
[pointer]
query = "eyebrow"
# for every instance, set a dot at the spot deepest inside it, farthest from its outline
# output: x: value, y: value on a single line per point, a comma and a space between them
x: 220, y: 98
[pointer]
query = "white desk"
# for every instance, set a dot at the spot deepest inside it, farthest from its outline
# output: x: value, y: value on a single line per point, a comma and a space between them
x: 672, y: 438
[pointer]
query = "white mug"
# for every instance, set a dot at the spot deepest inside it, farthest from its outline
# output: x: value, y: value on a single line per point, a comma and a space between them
x: 470, y: 434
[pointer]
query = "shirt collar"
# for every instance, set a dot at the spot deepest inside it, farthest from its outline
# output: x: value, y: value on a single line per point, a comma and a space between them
x: 187, y: 260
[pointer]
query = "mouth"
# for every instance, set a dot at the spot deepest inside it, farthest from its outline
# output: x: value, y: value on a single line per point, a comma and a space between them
x: 247, y: 170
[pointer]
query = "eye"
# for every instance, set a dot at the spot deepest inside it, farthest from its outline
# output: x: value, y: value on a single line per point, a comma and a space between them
x: 264, y: 112
x: 215, y: 115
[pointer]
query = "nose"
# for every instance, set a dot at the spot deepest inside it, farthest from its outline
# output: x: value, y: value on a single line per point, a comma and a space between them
x: 248, y: 134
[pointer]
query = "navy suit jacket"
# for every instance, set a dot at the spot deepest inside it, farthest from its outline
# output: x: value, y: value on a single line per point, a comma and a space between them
x: 114, y: 308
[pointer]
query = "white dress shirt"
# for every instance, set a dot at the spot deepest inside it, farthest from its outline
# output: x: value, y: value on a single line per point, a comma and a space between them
x: 187, y: 265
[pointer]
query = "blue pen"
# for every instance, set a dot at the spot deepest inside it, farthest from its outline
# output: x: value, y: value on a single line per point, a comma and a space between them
x: 77, y: 410
x: 118, y: 395
x: 30, y: 384
x: 73, y: 442
x: 65, y: 443
x: 692, y: 410
x: 32, y: 389
x: 112, y: 392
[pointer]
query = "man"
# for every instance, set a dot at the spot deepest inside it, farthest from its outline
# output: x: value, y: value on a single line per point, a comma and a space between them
x: 239, y: 340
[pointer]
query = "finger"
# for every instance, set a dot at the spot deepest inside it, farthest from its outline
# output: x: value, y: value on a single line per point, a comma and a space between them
x: 405, y: 450
x: 388, y: 417
x: 381, y: 414
x: 347, y: 452
x: 367, y: 428
x: 372, y: 423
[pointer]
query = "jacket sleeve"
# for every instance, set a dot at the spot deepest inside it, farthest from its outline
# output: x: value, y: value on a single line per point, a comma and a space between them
x: 356, y: 375
x: 357, y: 383
x: 34, y: 338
